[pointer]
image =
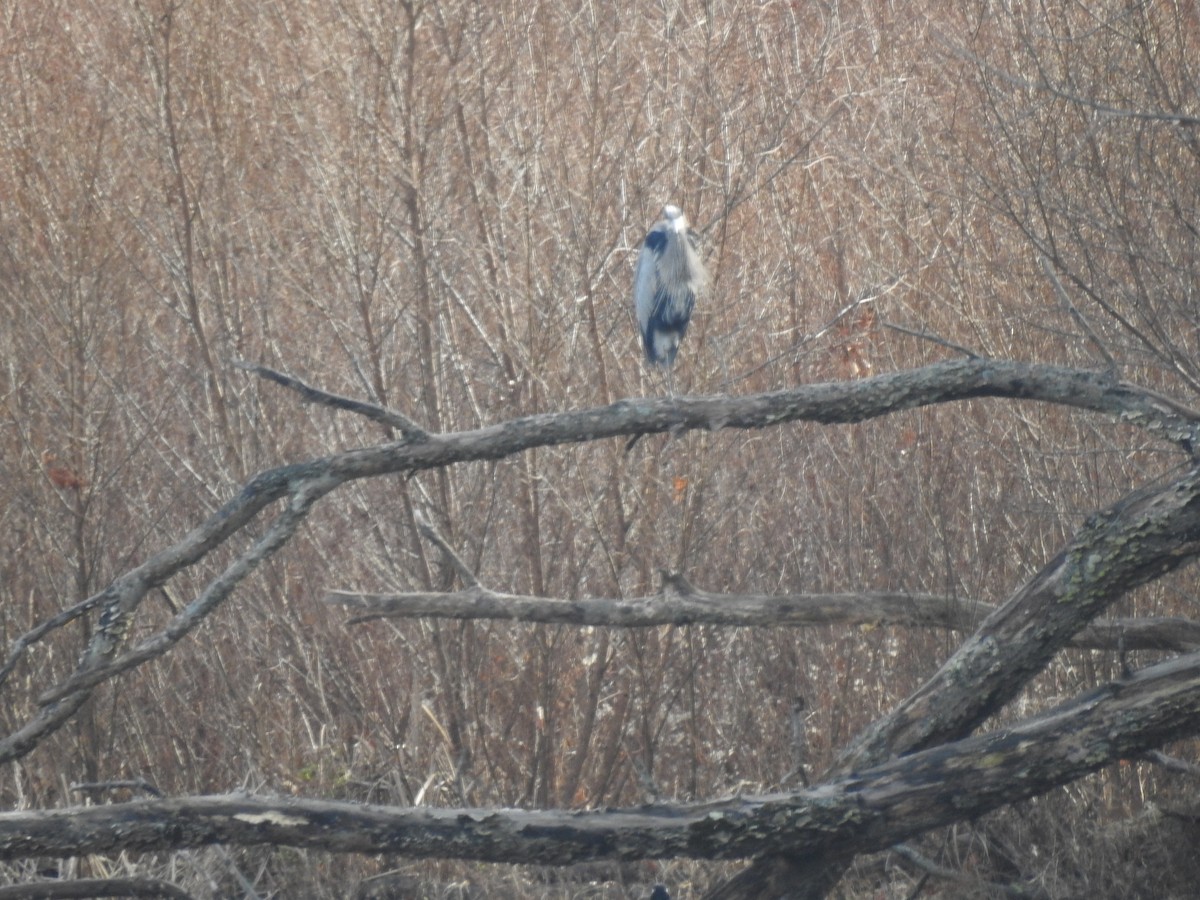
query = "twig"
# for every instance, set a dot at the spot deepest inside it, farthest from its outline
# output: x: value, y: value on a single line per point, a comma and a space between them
x: 932, y: 338
x: 863, y: 298
x: 406, y: 426
x: 430, y: 534
x: 28, y: 639
x: 136, y: 784
x: 1172, y: 764
x: 1182, y: 120
x: 98, y: 666
x: 1065, y: 299
x: 927, y: 865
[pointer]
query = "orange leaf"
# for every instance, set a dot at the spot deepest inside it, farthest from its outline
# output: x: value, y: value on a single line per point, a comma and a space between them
x: 60, y: 475
x: 681, y: 484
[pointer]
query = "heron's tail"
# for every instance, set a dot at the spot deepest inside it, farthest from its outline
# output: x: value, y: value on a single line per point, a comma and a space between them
x: 662, y: 347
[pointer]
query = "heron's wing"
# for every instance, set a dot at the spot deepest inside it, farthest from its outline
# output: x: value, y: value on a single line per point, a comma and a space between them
x: 645, y: 282
x: 672, y: 310
x: 673, y: 294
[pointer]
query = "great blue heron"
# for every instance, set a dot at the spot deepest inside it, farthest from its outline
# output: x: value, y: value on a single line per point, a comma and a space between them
x: 669, y: 276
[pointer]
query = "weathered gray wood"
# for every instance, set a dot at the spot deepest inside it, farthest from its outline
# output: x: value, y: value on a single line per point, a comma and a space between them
x: 86, y: 888
x: 866, y: 803
x: 691, y: 606
x: 302, y: 485
x: 1140, y: 538
x: 673, y: 608
x: 1137, y: 540
x: 858, y: 812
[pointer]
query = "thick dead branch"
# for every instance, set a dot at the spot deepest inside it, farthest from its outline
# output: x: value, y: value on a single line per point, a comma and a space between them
x: 685, y: 605
x: 85, y: 888
x: 696, y: 607
x: 1137, y: 540
x: 861, y: 812
x: 20, y: 645
x: 1140, y: 538
x: 672, y: 608
x: 124, y: 595
x: 304, y: 484
x: 1170, y: 634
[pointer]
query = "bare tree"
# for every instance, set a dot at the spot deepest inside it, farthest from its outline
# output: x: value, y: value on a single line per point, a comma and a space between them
x: 1143, y: 537
x: 423, y: 217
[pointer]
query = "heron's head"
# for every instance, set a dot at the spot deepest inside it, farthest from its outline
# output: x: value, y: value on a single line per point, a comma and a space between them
x: 674, y: 217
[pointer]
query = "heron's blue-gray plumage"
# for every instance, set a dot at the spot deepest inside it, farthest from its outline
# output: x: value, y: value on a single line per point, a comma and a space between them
x: 669, y: 276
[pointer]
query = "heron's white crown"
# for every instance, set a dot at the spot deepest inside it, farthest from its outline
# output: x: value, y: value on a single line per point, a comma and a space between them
x: 675, y: 217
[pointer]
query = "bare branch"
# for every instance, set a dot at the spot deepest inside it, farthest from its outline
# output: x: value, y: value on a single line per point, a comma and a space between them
x: 840, y: 402
x: 673, y: 608
x: 124, y: 595
x: 19, y: 646
x: 1172, y: 764
x: 1180, y: 120
x: 926, y: 335
x: 100, y: 787
x: 1142, y: 537
x: 95, y: 670
x: 927, y: 865
x: 865, y: 811
x: 406, y: 426
x: 430, y: 534
x: 691, y: 606
x: 1080, y: 319
x: 85, y: 888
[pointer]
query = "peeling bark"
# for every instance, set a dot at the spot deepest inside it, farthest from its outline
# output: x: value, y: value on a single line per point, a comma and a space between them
x: 691, y: 606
